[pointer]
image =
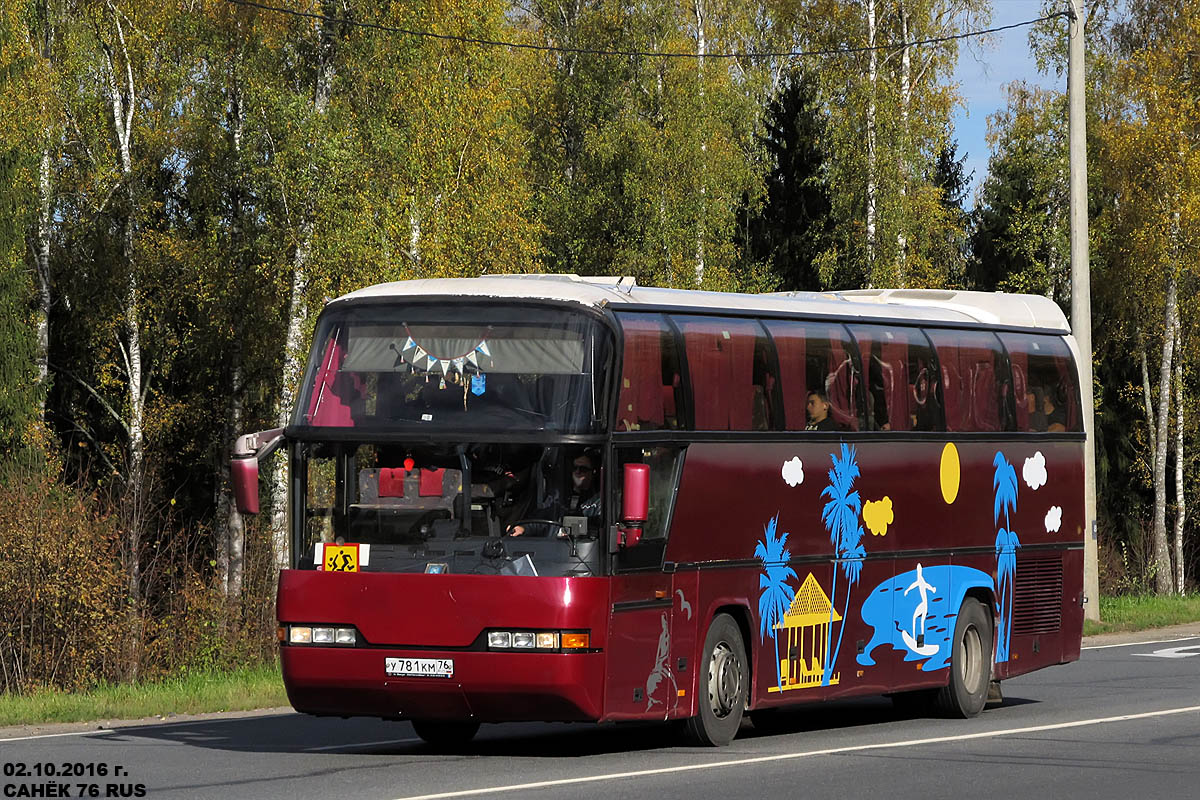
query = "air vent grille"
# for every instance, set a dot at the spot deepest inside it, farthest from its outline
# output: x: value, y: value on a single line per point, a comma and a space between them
x: 1037, y: 595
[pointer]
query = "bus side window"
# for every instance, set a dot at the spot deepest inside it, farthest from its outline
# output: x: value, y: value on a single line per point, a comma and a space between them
x: 728, y: 370
x: 902, y: 381
x: 1045, y: 389
x: 974, y: 386
x: 816, y: 356
x: 650, y: 390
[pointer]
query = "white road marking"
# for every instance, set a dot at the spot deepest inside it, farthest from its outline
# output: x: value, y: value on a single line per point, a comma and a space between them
x: 358, y: 744
x: 741, y: 762
x: 1139, y: 644
x: 1173, y: 652
x: 53, y: 735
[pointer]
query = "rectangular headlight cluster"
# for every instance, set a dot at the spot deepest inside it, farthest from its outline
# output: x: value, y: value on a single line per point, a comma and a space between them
x: 529, y: 640
x: 318, y: 635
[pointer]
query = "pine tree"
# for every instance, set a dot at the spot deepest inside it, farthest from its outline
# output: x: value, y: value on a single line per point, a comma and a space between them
x: 793, y: 228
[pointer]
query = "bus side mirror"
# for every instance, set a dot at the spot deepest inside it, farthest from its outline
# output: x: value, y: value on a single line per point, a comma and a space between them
x: 244, y: 472
x: 635, y: 504
x: 243, y: 467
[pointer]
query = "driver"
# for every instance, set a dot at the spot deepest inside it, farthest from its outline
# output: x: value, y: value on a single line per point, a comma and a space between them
x: 583, y: 500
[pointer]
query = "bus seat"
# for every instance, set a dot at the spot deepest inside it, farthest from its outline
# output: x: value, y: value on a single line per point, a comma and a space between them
x: 839, y: 387
x: 759, y: 416
x: 391, y: 481
x: 668, y: 400
x: 431, y: 482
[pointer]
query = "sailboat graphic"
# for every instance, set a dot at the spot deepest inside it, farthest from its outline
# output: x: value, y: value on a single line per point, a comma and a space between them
x: 916, y: 641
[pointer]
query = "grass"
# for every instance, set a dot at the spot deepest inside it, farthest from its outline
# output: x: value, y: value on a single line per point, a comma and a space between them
x: 1142, y: 612
x: 236, y: 690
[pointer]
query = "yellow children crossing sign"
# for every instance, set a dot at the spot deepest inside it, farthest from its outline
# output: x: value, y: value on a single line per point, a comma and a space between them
x: 340, y: 558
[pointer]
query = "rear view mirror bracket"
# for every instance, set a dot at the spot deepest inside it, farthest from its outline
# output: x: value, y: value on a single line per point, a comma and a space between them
x: 248, y: 451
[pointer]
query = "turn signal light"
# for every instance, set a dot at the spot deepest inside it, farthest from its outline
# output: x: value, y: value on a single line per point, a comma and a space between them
x: 575, y: 640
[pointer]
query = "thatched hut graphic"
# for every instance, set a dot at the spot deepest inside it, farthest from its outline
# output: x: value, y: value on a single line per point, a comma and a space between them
x: 807, y: 624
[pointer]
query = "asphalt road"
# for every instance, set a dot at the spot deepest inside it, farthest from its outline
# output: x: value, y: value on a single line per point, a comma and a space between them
x: 1117, y: 724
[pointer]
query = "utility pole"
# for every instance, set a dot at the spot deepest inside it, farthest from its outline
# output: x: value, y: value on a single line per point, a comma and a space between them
x: 1081, y: 300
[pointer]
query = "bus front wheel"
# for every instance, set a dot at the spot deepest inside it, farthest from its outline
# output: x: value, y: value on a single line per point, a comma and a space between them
x: 445, y: 734
x: 724, y: 685
x: 970, y: 663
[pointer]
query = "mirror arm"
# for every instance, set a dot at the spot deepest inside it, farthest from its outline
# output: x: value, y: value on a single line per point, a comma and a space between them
x: 258, y: 445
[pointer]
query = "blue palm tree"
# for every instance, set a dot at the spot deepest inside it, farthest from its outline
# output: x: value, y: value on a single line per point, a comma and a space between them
x: 776, y: 595
x: 1004, y: 483
x: 841, y: 518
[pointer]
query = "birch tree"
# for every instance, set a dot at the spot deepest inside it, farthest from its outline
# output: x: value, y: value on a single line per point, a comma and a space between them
x: 1153, y: 164
x: 890, y: 107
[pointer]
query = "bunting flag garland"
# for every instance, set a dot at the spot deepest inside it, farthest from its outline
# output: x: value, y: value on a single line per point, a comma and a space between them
x: 421, y: 359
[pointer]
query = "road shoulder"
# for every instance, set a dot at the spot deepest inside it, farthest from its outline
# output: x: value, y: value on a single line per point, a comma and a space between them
x: 1185, y: 631
x: 94, y: 726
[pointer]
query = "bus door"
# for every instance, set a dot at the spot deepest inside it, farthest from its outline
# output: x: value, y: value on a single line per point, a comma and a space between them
x: 647, y: 635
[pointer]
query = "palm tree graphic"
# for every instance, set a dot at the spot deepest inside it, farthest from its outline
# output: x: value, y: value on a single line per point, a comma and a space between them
x: 841, y: 518
x: 1004, y: 482
x: 776, y: 595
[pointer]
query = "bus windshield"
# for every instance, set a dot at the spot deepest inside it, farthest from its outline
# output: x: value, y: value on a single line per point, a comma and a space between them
x: 466, y: 508
x: 453, y: 368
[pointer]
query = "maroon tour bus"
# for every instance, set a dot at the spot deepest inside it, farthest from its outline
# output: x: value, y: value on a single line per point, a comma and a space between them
x: 579, y: 499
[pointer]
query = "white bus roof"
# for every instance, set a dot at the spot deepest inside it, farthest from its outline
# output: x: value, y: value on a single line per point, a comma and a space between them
x: 987, y: 308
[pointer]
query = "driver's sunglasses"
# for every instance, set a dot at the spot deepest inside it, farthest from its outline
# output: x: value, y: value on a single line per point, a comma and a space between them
x: 581, y: 468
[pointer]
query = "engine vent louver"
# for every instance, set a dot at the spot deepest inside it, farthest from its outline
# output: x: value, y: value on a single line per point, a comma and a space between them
x: 1037, y: 595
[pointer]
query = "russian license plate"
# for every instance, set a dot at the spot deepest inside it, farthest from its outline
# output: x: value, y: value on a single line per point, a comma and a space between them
x: 419, y: 667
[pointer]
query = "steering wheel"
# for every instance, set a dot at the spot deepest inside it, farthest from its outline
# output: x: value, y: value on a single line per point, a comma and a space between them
x: 525, y: 523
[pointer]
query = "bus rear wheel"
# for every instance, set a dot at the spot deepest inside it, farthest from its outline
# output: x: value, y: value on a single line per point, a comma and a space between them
x: 445, y: 734
x: 724, y: 685
x: 970, y: 663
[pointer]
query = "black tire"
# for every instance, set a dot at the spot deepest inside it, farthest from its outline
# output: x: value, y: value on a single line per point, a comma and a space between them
x: 970, y: 663
x: 445, y: 734
x: 724, y: 685
x: 917, y: 703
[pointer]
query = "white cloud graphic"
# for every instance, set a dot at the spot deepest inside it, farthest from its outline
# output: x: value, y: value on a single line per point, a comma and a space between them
x: 793, y: 471
x: 1053, y: 519
x: 1035, y: 471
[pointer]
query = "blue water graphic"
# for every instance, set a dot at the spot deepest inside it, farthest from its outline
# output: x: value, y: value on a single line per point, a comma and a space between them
x: 915, y: 612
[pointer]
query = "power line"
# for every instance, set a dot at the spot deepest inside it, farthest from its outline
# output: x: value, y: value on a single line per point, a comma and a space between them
x: 837, y: 51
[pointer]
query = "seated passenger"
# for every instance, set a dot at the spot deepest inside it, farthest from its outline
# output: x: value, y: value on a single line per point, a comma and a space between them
x: 818, y: 412
x: 1044, y: 413
x: 584, y: 499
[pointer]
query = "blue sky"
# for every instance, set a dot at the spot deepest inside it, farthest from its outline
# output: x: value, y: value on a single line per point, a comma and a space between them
x: 983, y: 70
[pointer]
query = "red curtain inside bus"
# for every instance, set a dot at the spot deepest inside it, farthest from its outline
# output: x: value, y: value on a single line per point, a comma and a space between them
x: 970, y: 391
x: 720, y: 358
x: 333, y: 391
x: 649, y: 382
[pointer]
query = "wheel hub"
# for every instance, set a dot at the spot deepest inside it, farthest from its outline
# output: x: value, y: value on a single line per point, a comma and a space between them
x: 724, y: 680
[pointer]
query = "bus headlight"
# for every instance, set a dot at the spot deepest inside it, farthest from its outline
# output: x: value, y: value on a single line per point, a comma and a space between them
x: 531, y: 641
x: 319, y: 635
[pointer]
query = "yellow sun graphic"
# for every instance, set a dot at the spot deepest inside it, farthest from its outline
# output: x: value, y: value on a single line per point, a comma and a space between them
x: 950, y: 472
